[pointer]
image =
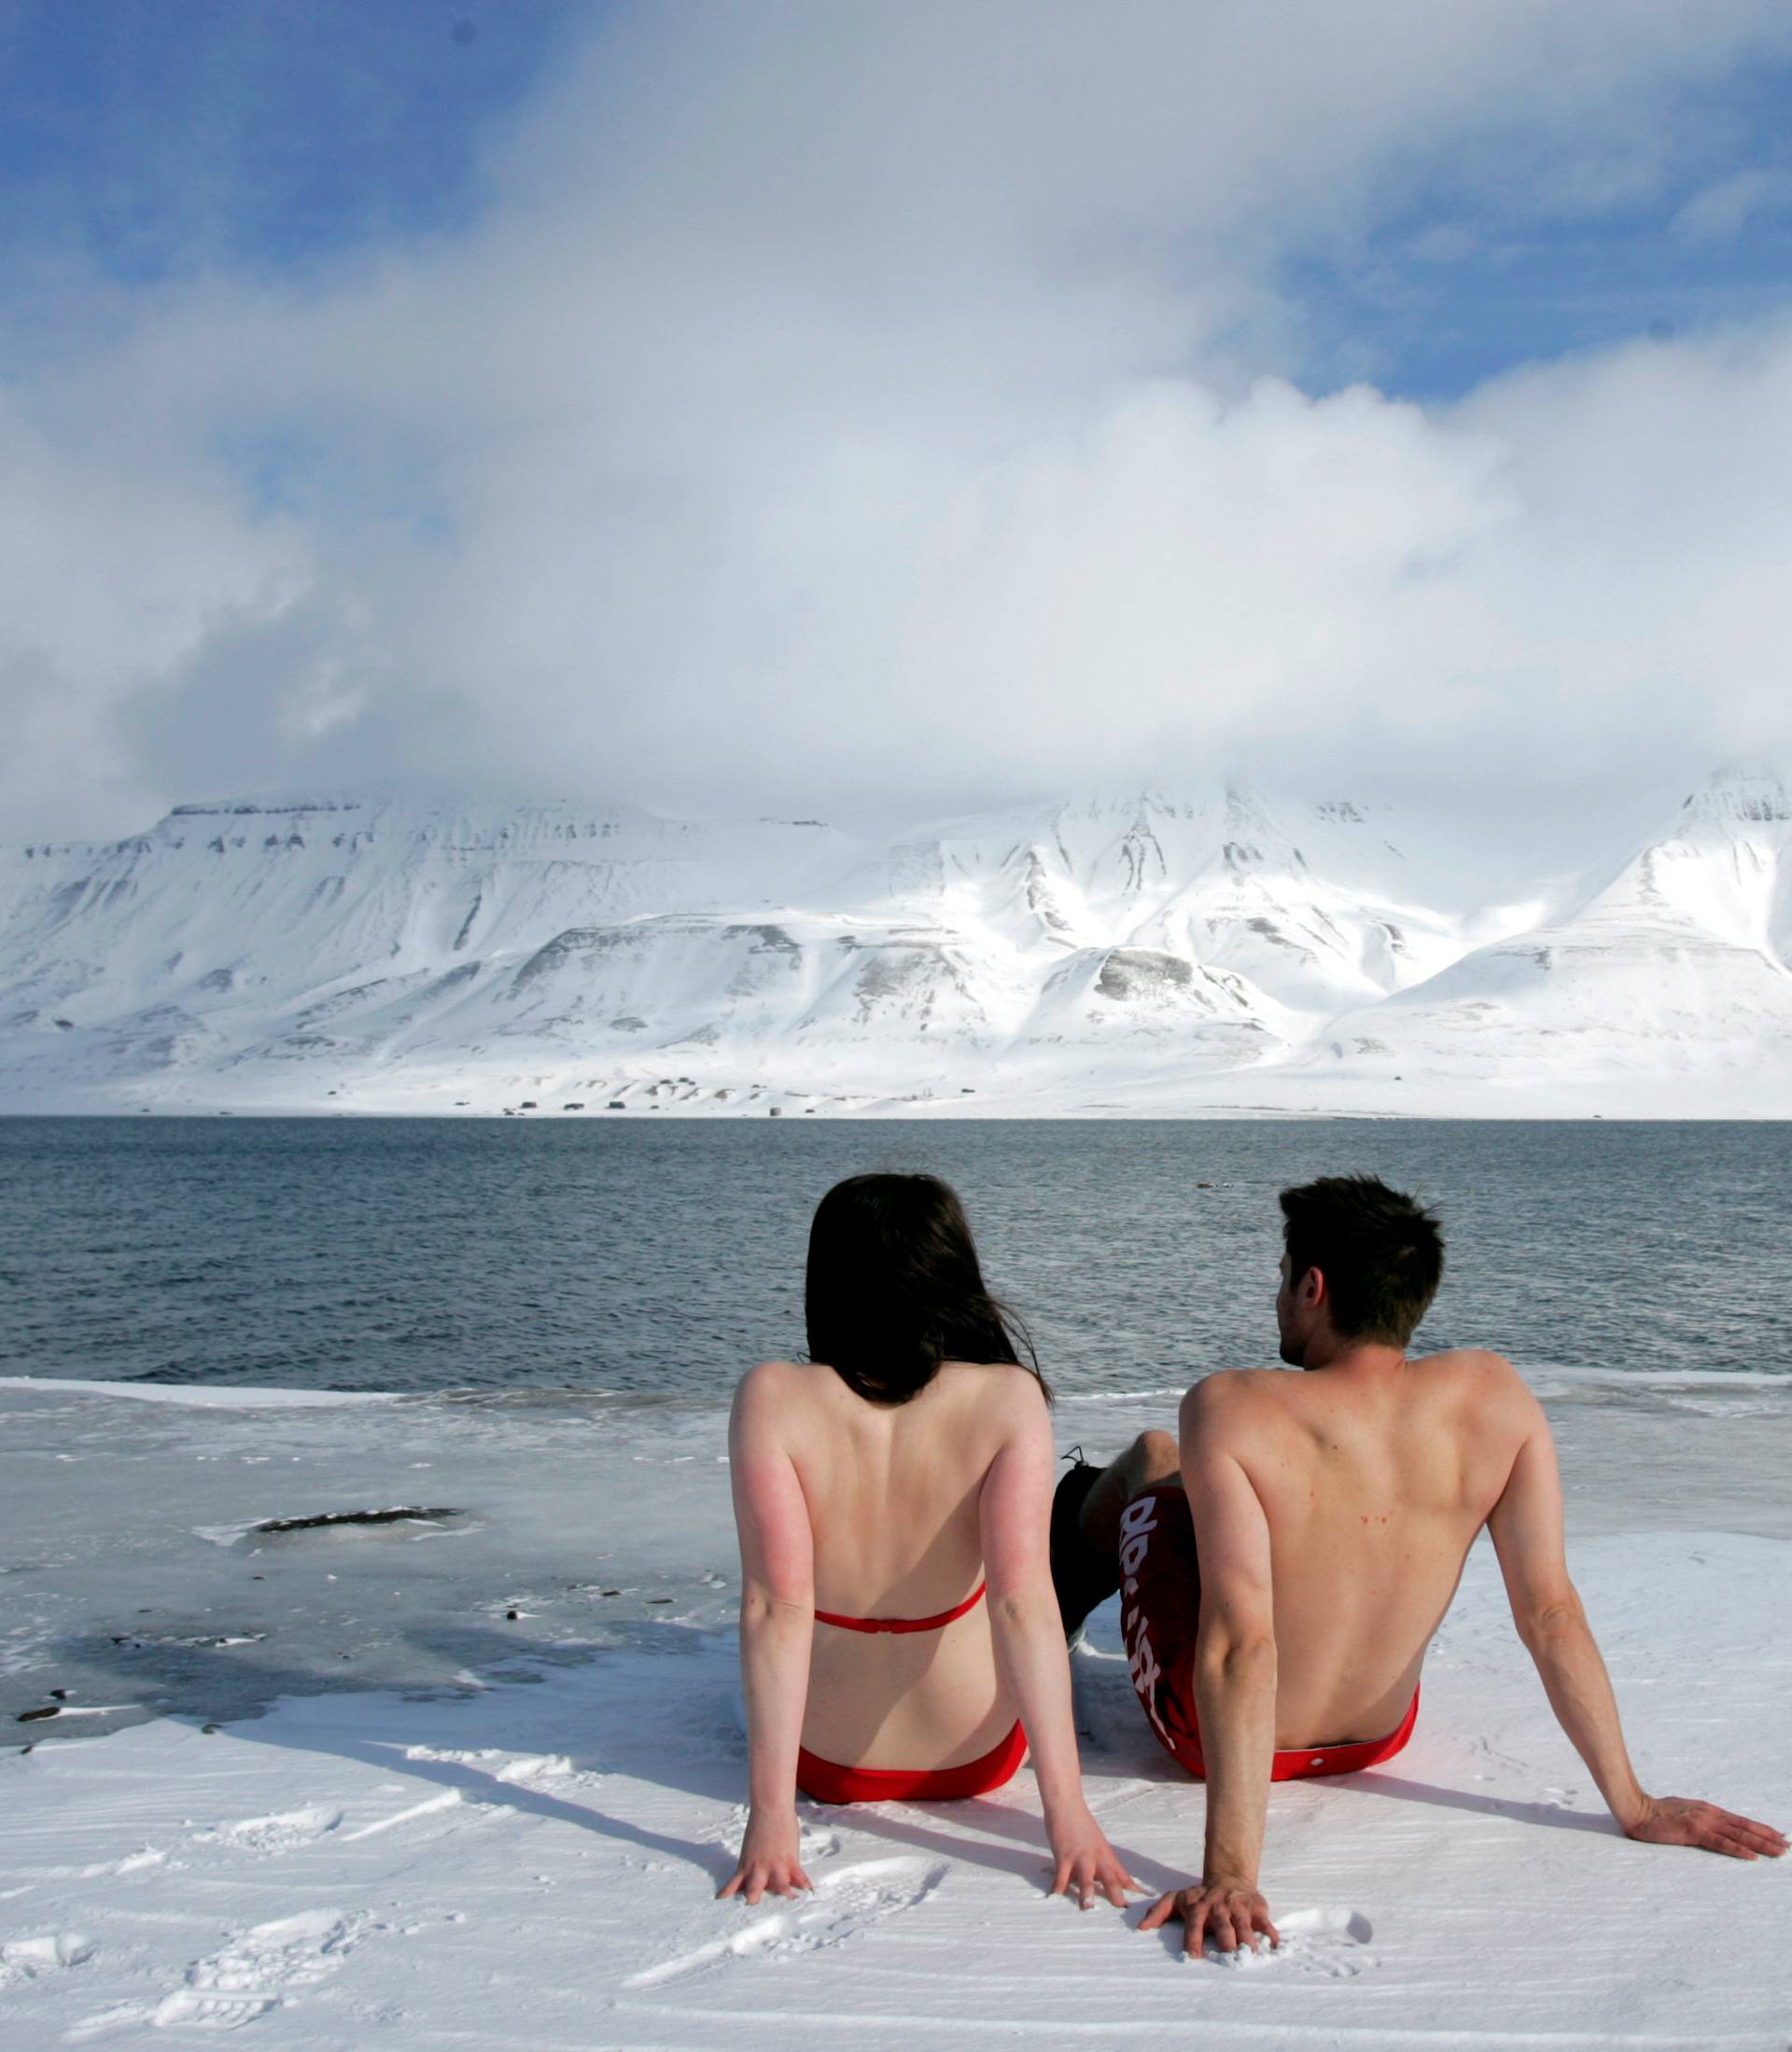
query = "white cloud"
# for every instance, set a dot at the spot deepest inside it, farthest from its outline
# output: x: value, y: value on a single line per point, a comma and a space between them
x: 1719, y: 213
x: 857, y: 407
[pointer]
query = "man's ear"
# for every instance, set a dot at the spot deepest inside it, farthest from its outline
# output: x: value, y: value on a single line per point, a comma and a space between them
x: 1312, y: 1288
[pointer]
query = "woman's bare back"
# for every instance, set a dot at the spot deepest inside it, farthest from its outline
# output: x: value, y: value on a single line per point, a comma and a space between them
x: 893, y: 1495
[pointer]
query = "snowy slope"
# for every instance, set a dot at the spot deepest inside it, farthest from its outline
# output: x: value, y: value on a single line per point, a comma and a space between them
x: 1674, y: 964
x: 1141, y: 952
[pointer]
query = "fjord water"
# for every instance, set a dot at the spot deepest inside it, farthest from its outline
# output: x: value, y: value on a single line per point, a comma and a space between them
x: 554, y: 1314
x: 427, y: 1255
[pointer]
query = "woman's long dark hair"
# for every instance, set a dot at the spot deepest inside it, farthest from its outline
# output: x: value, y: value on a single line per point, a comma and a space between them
x: 893, y: 1289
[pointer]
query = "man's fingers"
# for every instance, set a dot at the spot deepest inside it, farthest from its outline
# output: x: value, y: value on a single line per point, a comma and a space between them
x: 727, y: 1888
x: 1060, y: 1878
x: 1193, y: 1929
x: 1158, y: 1913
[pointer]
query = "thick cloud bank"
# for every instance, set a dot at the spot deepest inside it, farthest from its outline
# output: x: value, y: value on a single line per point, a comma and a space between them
x: 914, y: 408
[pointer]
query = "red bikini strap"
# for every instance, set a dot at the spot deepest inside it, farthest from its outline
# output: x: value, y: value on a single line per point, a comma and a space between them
x: 901, y: 1624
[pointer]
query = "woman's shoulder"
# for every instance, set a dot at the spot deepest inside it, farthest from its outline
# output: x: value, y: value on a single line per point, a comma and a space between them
x: 768, y: 1379
x: 1002, y: 1383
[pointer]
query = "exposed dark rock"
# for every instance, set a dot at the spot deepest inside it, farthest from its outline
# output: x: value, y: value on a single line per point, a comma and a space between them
x: 1140, y: 973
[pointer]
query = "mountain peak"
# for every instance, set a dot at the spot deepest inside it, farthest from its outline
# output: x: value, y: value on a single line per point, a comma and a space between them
x: 1740, y: 794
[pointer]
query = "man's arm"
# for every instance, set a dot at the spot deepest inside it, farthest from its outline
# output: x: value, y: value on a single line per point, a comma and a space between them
x: 1235, y: 1678
x: 776, y: 1629
x: 1526, y: 1524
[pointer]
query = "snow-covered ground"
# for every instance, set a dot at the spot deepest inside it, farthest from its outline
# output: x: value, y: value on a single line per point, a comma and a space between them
x: 1145, y: 956
x: 499, y: 1820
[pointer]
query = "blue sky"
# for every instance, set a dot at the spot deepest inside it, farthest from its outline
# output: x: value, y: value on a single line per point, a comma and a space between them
x: 711, y: 401
x: 156, y: 137
x: 1469, y: 277
x: 161, y: 134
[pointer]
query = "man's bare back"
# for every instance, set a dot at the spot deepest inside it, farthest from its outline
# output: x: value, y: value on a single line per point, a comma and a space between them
x: 1374, y: 1480
x: 1332, y: 1513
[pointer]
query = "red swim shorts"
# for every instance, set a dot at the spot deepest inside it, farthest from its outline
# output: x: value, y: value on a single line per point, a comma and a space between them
x: 1160, y: 1606
x: 827, y: 1783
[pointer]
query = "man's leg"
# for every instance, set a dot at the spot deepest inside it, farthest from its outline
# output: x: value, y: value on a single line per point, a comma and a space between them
x: 1153, y: 1456
x: 1086, y: 1523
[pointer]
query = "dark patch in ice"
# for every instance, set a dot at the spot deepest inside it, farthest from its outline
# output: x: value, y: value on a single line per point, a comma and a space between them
x: 404, y: 1515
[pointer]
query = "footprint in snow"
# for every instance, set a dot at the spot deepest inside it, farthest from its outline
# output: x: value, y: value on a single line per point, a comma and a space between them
x: 284, y: 1830
x: 844, y: 1905
x: 259, y: 1970
x: 133, y: 1863
x: 27, y: 1959
x: 1327, y: 1943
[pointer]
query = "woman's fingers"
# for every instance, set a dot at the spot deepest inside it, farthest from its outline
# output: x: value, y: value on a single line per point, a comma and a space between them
x: 761, y: 1878
x: 1761, y: 1837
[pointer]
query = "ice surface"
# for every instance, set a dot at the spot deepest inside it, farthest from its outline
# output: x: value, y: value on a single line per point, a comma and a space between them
x: 533, y: 1863
x: 134, y: 1578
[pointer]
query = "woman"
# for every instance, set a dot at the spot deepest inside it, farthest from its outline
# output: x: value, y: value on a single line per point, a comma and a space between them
x: 899, y: 1635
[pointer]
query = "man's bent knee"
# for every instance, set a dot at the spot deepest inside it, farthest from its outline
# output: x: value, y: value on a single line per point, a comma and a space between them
x: 1157, y: 1456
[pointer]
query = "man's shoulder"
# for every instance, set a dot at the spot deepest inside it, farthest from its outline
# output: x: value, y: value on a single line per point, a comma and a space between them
x: 1480, y: 1367
x: 1231, y: 1397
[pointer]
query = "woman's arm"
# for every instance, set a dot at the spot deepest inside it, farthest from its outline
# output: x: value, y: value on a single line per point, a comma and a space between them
x: 1015, y: 1513
x: 777, y: 1627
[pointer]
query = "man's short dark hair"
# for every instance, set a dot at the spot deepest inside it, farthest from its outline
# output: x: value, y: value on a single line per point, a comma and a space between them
x: 1381, y: 1253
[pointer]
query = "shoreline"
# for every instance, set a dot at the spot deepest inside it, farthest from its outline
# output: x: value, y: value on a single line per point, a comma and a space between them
x: 914, y: 1110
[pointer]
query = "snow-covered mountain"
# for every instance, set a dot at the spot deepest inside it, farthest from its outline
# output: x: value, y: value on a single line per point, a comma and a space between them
x: 1146, y: 952
x: 1670, y: 969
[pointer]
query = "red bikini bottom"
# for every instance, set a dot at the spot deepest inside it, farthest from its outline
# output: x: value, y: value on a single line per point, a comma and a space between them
x: 1160, y: 1603
x: 824, y: 1782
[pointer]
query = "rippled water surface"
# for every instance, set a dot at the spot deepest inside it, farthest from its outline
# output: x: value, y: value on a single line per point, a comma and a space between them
x: 427, y: 1255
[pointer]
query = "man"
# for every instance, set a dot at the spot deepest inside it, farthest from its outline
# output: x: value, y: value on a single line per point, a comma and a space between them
x: 1278, y: 1598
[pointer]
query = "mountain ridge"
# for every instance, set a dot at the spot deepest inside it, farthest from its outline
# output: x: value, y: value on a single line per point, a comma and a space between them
x: 1209, y: 950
